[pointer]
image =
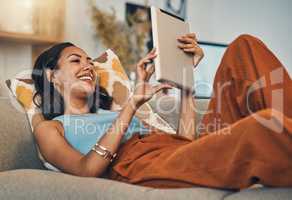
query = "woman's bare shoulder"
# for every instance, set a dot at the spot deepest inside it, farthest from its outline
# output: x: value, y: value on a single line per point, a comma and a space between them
x: 49, y: 126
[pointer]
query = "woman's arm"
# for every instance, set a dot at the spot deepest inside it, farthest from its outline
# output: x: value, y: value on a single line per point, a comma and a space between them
x: 187, y: 126
x: 56, y: 150
x: 95, y: 164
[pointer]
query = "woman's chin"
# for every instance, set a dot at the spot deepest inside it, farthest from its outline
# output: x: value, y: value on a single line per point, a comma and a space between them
x: 83, y: 91
x: 82, y: 94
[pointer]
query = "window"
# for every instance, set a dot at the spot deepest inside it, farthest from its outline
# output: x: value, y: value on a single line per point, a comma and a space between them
x: 205, y: 72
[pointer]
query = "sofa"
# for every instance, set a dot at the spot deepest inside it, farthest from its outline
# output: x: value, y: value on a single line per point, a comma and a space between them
x: 22, y: 175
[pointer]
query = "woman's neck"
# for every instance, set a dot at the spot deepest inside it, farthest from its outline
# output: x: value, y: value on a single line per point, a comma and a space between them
x: 76, y: 106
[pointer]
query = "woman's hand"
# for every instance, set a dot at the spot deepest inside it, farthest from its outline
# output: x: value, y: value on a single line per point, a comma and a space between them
x: 143, y: 90
x: 189, y: 44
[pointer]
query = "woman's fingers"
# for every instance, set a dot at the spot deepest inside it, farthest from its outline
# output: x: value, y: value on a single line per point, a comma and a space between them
x: 189, y: 44
x: 186, y: 46
x: 191, y: 35
x: 187, y: 40
x: 150, y: 70
x: 151, y: 55
x: 152, y: 51
x: 144, y: 70
x: 146, y: 60
x: 191, y: 50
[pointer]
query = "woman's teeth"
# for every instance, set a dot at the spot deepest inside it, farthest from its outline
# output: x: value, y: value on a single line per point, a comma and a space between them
x: 85, y: 78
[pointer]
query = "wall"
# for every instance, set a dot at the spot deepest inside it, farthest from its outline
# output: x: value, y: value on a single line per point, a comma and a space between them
x: 223, y: 20
x: 78, y: 27
x: 13, y: 58
x: 212, y: 20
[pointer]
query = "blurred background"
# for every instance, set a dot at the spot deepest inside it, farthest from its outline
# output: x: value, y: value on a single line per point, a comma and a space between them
x: 27, y: 27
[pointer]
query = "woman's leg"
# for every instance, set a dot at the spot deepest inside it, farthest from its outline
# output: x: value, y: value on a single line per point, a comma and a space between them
x: 250, y: 78
x: 246, y: 154
x: 254, y: 148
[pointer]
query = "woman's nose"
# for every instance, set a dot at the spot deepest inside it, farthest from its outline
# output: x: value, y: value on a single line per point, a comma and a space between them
x: 87, y: 66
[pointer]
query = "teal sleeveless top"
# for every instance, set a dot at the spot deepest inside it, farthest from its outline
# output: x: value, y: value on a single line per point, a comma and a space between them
x: 83, y: 131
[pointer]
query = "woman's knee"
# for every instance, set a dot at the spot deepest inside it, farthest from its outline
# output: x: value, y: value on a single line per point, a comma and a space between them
x: 245, y: 38
x: 263, y: 122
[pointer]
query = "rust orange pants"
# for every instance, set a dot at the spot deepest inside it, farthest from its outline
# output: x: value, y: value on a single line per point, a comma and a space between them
x: 251, y: 141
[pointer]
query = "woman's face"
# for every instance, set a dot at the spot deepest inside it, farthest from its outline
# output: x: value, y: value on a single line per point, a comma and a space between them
x: 75, y: 74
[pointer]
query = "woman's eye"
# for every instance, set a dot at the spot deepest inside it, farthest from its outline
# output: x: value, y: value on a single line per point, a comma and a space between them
x: 75, y: 61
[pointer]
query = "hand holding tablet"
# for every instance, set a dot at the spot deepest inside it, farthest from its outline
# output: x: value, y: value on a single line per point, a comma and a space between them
x: 144, y: 91
x: 190, y: 45
x: 177, y: 49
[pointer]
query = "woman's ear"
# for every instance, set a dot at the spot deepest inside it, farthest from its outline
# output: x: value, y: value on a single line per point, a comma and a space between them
x: 49, y: 75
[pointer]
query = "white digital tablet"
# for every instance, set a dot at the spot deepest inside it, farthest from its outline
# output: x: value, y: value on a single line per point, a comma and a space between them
x: 171, y: 64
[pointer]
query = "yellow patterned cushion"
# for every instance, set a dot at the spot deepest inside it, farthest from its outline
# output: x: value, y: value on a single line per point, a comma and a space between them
x: 22, y: 89
x: 114, y: 79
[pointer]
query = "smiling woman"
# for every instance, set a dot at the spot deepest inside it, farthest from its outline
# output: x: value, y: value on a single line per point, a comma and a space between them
x: 65, y: 82
x: 47, y: 68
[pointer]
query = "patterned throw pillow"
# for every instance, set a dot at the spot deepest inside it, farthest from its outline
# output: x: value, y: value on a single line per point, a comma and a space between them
x: 112, y: 77
x: 22, y: 89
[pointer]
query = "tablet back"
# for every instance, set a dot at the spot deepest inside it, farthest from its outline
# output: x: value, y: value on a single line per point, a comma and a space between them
x: 172, y: 64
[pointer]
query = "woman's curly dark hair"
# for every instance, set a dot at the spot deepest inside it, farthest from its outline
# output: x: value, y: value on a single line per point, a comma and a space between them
x: 51, y: 101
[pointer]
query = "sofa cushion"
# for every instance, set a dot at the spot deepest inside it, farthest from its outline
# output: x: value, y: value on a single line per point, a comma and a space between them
x: 169, y: 109
x: 262, y: 194
x: 17, y: 145
x: 40, y: 184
